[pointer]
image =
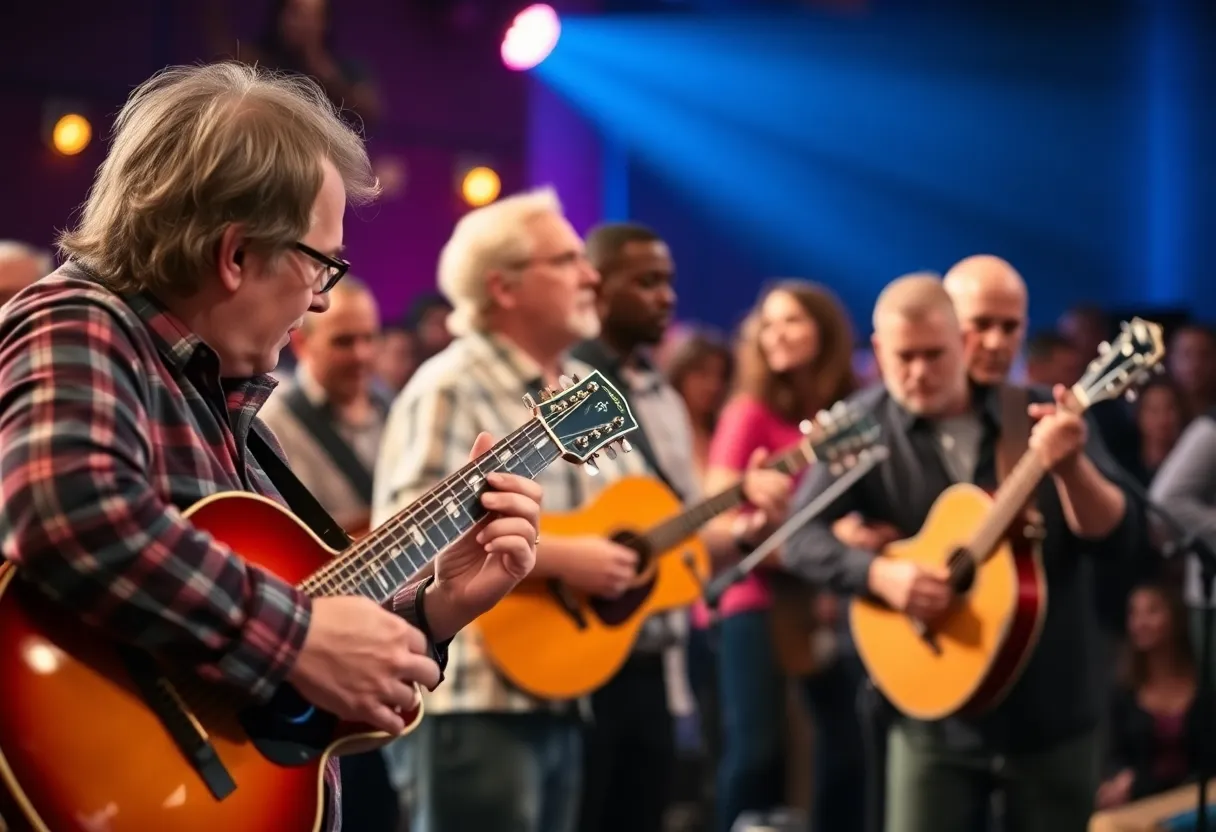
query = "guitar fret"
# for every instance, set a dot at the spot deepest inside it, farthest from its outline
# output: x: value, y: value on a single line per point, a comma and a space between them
x: 400, y: 548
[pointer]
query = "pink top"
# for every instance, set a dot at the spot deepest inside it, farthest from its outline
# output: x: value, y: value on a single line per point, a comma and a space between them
x: 745, y: 425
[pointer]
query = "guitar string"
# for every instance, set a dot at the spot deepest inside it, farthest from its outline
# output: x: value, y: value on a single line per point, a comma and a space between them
x: 342, y: 573
x: 204, y: 699
x: 349, y: 570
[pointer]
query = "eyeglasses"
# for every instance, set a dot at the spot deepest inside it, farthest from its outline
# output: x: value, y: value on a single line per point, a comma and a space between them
x: 335, y: 267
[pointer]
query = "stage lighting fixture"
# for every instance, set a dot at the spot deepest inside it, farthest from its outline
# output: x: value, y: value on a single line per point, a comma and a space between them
x: 71, y: 134
x: 480, y: 186
x: 531, y: 37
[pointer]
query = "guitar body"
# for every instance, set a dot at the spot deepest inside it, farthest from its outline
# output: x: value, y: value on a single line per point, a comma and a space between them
x: 81, y: 751
x: 985, y: 639
x: 539, y: 646
x: 793, y: 624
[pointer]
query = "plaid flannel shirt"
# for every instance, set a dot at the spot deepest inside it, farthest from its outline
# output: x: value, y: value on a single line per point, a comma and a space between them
x: 113, y: 420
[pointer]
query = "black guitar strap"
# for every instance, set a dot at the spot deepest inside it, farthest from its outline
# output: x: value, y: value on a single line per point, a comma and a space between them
x: 318, y: 422
x: 299, y: 498
x: 1014, y: 439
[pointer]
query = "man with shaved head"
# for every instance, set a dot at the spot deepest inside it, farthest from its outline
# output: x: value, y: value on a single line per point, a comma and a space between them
x: 942, y: 427
x: 990, y: 300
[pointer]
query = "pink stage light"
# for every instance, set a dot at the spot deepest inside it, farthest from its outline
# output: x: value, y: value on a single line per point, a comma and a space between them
x: 532, y: 36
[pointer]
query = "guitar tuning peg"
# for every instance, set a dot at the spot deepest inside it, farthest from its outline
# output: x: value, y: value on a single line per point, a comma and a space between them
x: 1104, y: 348
x: 592, y: 468
x: 529, y: 401
x: 841, y: 408
x: 1131, y: 395
x: 836, y: 468
x: 805, y: 427
x: 565, y: 382
x: 574, y: 376
x: 545, y: 394
x: 625, y: 446
x: 610, y: 451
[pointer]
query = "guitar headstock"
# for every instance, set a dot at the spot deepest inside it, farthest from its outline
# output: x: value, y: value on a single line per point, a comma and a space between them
x: 1123, y: 363
x: 841, y: 436
x: 585, y: 417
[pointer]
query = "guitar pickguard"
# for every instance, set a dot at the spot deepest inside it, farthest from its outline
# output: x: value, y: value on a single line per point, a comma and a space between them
x: 287, y: 730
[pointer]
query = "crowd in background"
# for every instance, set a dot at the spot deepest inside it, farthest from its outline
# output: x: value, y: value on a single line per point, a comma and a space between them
x: 1153, y: 675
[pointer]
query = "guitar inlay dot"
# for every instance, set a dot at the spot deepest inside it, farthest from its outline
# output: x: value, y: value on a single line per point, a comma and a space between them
x: 417, y: 534
x: 453, y: 510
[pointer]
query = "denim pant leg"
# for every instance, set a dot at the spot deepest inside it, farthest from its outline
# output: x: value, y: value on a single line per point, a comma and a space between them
x: 838, y: 788
x: 751, y: 769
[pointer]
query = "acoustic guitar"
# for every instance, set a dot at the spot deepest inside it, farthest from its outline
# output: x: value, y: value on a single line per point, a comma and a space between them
x: 556, y: 643
x: 967, y: 660
x: 95, y: 736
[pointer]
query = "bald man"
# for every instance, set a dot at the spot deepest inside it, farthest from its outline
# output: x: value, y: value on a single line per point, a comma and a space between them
x: 331, y: 403
x: 20, y: 266
x: 1039, y: 744
x: 329, y: 418
x: 990, y: 300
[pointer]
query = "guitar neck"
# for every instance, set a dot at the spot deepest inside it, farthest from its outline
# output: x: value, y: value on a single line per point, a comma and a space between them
x: 684, y: 525
x: 383, y: 561
x: 1012, y: 496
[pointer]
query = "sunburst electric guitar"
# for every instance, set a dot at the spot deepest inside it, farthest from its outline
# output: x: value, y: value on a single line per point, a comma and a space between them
x: 97, y: 737
x: 967, y: 660
x: 556, y: 643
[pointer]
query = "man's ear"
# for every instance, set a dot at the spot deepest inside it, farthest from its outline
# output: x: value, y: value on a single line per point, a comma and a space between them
x: 501, y: 289
x: 231, y: 259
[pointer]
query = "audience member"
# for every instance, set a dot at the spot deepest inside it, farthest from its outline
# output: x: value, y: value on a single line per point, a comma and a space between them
x: 20, y: 266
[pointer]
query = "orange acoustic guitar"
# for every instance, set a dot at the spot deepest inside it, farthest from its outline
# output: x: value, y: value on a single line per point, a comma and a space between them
x: 556, y: 643
x: 94, y: 736
x: 967, y: 660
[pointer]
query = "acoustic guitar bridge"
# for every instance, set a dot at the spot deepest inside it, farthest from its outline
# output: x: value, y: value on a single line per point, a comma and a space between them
x: 163, y: 700
x: 926, y: 635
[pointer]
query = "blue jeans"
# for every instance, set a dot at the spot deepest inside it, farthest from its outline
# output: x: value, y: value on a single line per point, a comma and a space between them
x: 838, y: 788
x: 751, y: 769
x: 496, y: 773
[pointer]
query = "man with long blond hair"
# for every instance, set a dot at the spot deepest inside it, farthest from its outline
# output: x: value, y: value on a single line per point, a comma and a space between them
x: 132, y: 378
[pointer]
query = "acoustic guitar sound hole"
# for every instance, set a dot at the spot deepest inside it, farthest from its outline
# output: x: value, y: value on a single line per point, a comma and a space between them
x: 616, y: 611
x: 962, y: 571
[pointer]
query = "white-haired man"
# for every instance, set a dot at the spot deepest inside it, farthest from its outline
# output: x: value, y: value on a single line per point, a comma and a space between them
x: 523, y: 293
x: 132, y: 379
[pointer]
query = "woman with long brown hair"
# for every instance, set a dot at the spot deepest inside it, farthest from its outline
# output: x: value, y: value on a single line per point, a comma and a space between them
x: 1154, y: 735
x: 699, y: 365
x: 794, y: 359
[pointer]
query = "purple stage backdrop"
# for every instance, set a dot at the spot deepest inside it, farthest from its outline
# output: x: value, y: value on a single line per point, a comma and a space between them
x: 448, y: 102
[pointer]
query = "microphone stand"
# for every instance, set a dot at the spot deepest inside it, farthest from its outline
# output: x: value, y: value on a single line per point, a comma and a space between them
x: 1189, y: 543
x: 867, y: 459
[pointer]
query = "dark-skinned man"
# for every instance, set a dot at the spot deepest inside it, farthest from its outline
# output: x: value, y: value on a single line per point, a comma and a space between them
x: 629, y: 752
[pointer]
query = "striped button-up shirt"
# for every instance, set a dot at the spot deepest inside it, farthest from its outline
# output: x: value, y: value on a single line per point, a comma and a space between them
x: 113, y: 420
x: 474, y: 385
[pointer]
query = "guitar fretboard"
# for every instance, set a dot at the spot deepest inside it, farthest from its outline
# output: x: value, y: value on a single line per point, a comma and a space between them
x: 684, y: 525
x: 378, y: 564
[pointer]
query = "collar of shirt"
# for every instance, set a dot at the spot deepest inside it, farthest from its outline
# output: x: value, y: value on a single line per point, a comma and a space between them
x: 506, y: 352
x: 184, y: 352
x: 985, y: 401
x: 638, y: 367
